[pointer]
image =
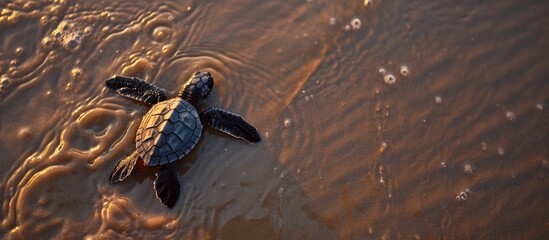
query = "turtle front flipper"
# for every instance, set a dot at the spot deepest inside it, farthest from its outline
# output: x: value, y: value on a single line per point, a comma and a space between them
x: 124, y: 168
x: 167, y: 185
x: 137, y: 89
x: 230, y: 123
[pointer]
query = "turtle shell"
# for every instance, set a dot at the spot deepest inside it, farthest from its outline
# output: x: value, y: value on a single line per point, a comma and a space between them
x: 168, y: 131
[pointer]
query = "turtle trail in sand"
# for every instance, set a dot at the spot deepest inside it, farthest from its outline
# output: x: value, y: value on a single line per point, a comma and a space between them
x: 171, y: 129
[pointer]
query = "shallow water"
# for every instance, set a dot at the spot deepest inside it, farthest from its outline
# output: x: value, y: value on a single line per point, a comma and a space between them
x: 453, y: 145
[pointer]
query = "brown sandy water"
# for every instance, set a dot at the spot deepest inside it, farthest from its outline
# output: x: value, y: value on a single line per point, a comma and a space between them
x: 456, y: 148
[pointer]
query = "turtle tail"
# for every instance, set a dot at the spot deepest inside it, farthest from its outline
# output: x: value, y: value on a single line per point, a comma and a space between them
x: 167, y: 185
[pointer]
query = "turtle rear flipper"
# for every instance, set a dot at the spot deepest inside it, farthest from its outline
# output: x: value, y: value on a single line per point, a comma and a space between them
x: 123, y: 168
x: 137, y: 89
x: 230, y: 123
x: 167, y: 185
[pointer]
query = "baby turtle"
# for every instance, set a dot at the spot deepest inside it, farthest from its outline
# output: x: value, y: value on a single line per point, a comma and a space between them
x: 171, y: 128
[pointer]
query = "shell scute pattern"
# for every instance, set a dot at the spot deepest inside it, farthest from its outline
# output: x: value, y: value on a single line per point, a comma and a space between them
x: 180, y: 108
x: 149, y: 133
x: 157, y: 120
x: 172, y: 158
x: 168, y: 132
x: 147, y: 144
x: 196, y: 134
x: 189, y: 109
x: 187, y: 120
x: 168, y: 128
x: 173, y: 105
x: 159, y: 140
x: 161, y: 111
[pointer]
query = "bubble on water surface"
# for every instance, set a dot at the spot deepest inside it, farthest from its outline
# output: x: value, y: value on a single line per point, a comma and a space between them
x: 24, y: 133
x: 88, y: 30
x: 161, y: 33
x: 389, y: 79
x: 539, y: 106
x: 356, y: 23
x: 438, y: 99
x: 56, y: 34
x: 382, y: 147
x: 8, y: 16
x: 72, y: 44
x: 468, y: 168
x: 511, y: 116
x: 287, y: 122
x: 68, y: 35
x: 347, y: 27
x: 4, y: 81
x: 381, y: 178
x: 47, y: 42
x: 464, y: 195
x: 501, y: 151
x: 483, y: 146
x: 168, y: 49
x: 76, y: 73
x: 368, y: 2
x: 332, y: 21
x: 404, y: 71
x: 44, y: 20
x: 19, y: 51
x: 160, y: 29
x: 382, y: 71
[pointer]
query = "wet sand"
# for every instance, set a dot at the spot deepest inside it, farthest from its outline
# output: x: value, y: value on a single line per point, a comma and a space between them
x: 392, y: 120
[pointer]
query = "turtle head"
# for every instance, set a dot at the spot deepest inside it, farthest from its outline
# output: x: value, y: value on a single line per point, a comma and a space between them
x: 198, y: 87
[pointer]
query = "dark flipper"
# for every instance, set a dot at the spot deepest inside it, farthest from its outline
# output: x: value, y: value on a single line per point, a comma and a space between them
x: 167, y: 185
x: 124, y: 168
x: 137, y: 89
x: 230, y: 123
